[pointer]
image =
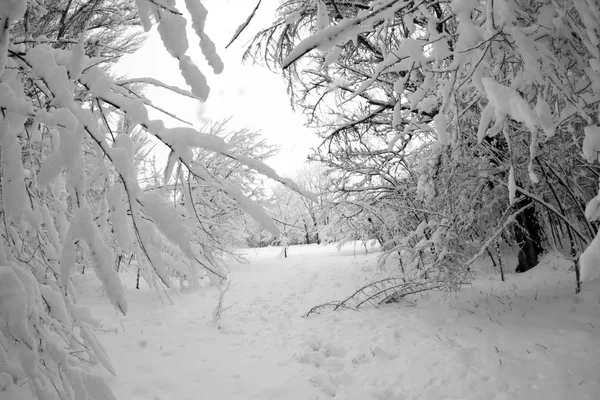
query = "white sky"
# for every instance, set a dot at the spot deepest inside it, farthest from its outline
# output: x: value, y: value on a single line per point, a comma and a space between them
x: 254, y: 96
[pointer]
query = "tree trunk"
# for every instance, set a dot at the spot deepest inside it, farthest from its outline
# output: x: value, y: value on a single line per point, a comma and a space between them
x: 317, y: 239
x: 529, y: 237
x: 306, y: 233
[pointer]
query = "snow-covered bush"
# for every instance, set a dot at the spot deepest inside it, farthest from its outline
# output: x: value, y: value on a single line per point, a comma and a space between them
x: 70, y: 194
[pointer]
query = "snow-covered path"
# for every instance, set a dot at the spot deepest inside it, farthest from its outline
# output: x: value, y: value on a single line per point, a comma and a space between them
x: 527, y: 340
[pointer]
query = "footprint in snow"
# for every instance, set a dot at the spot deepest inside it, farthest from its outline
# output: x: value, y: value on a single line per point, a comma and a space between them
x: 382, y: 354
x: 353, y: 391
x: 324, y: 382
x: 331, y: 350
x: 361, y: 358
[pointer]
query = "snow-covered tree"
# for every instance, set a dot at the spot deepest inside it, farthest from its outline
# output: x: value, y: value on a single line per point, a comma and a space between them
x: 313, y: 178
x: 471, y: 96
x: 68, y: 174
x: 216, y: 221
x: 301, y: 219
x: 287, y: 211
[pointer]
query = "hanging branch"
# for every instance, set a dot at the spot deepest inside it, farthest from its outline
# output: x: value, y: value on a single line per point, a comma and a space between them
x: 509, y: 220
x: 541, y: 202
x: 244, y: 24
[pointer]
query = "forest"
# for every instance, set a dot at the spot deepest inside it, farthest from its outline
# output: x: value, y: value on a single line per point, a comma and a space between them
x: 459, y: 145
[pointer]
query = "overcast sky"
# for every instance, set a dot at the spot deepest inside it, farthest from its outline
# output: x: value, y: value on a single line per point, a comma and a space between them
x: 254, y: 96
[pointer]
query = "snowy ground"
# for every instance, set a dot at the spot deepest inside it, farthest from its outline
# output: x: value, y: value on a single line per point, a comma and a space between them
x: 528, y: 338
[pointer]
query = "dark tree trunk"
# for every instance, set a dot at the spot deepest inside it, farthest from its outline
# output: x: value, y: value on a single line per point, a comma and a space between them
x: 306, y: 233
x: 317, y: 239
x: 499, y: 254
x: 529, y: 237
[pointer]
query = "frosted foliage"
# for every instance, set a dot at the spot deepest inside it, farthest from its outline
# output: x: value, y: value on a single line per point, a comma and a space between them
x: 253, y: 209
x: 13, y: 307
x: 42, y: 60
x: 334, y: 35
x: 592, y: 210
x: 469, y: 33
x: 77, y: 58
x: 485, y: 119
x: 589, y: 261
x: 97, y: 81
x: 440, y: 126
x: 512, y: 186
x: 544, y: 114
x: 508, y: 101
x: 332, y: 55
x: 591, y: 143
x: 198, y: 13
x: 83, y: 228
x: 3, y: 49
x: 99, y: 351
x: 10, y: 100
x: 154, y: 82
x: 14, y: 197
x: 71, y: 141
x: 172, y: 33
x: 180, y: 139
x: 194, y: 78
x: 144, y: 12
x: 118, y: 216
x: 50, y: 228
x: 169, y: 168
x: 440, y: 50
x: 56, y: 304
x: 322, y: 15
x: 461, y: 7
x: 397, y: 118
x: 12, y: 9
x: 152, y: 245
x: 168, y: 221
x: 67, y: 263
x: 120, y: 160
x: 270, y: 172
x: 210, y: 53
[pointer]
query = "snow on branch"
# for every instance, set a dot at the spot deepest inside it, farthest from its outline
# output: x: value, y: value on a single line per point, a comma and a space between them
x: 344, y: 31
x: 182, y: 139
x: 156, y: 82
x: 493, y: 237
x: 379, y: 292
x: 270, y: 173
x: 243, y: 25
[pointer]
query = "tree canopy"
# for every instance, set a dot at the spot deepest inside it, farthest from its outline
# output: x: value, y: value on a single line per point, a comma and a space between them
x: 71, y: 197
x: 456, y: 113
